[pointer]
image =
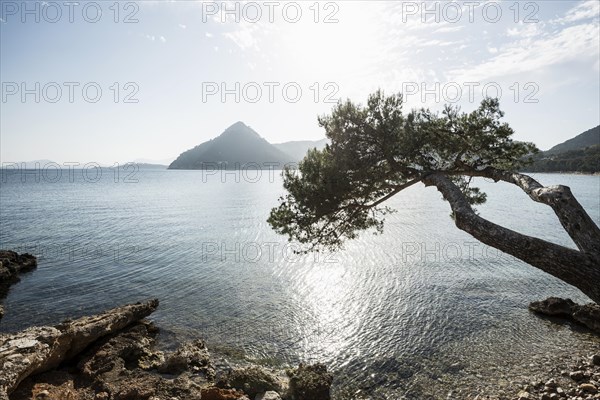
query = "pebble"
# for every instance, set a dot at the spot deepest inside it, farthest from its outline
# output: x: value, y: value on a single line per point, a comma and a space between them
x: 578, y: 382
x: 588, y: 387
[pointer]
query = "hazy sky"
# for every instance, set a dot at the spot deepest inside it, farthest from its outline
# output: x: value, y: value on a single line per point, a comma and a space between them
x: 175, y: 58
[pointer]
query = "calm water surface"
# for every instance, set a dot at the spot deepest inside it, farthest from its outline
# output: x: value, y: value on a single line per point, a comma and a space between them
x: 390, y: 314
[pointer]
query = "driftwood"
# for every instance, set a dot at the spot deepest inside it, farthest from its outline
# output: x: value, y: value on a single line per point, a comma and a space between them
x: 39, y: 349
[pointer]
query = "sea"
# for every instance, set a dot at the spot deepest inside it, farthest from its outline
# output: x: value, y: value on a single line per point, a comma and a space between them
x: 421, y: 311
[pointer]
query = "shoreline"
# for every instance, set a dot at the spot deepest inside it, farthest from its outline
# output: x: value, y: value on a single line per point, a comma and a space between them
x: 460, y: 381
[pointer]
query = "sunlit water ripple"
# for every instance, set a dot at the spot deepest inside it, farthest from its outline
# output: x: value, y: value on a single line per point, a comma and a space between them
x: 389, y: 314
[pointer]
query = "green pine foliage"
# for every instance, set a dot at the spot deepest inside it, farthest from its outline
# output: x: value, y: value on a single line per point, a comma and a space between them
x: 375, y: 151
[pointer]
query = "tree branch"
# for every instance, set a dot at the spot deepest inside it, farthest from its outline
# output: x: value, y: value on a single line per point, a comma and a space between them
x: 396, y: 190
x: 572, y: 216
x: 549, y: 257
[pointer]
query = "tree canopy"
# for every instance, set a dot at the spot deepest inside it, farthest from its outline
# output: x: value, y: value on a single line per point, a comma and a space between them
x: 376, y: 151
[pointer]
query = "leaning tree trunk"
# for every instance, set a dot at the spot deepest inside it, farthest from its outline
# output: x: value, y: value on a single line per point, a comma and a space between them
x: 580, y: 268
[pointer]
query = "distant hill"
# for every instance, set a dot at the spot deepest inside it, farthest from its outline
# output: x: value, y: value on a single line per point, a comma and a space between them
x: 35, y: 164
x: 141, y: 165
x: 298, y: 149
x: 238, y: 146
x: 164, y: 161
x: 579, y: 154
x: 588, y: 138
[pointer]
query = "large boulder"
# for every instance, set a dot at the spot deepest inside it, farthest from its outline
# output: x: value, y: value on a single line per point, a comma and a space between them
x: 252, y: 380
x: 40, y: 349
x: 587, y: 314
x: 121, y: 366
x: 12, y: 265
x: 554, y: 306
x: 270, y: 395
x: 310, y: 382
x: 193, y: 357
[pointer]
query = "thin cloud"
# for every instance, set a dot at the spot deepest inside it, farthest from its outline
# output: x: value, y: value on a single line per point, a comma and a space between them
x: 582, y: 11
x: 570, y: 44
x: 526, y: 30
x: 245, y: 37
x: 449, y: 29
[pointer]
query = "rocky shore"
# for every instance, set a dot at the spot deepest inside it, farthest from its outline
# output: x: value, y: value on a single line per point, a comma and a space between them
x: 579, y: 380
x: 11, y: 266
x: 115, y: 356
x: 587, y: 315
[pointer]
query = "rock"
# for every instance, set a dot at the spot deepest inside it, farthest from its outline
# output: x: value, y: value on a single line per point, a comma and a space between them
x: 252, y: 380
x: 310, y: 382
x: 523, y: 395
x: 108, y: 364
x: 551, y: 383
x: 43, y: 394
x: 120, y: 366
x: 12, y: 265
x: 595, y: 359
x: 577, y: 375
x: 270, y: 395
x: 549, y: 389
x: 553, y: 306
x: 193, y: 357
x: 588, y: 387
x: 39, y: 349
x: 560, y: 391
x: 221, y: 394
x: 587, y: 315
x: 57, y: 385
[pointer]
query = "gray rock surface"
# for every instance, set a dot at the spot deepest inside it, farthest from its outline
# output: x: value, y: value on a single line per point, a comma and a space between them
x: 310, y: 382
x: 252, y: 380
x: 40, y: 349
x: 12, y: 265
x: 587, y: 314
x: 270, y: 395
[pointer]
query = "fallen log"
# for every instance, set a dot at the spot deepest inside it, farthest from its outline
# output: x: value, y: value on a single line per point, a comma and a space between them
x: 39, y: 349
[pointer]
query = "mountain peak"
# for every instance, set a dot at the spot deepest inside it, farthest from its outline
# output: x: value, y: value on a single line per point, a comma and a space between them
x: 237, y: 125
x: 237, y: 145
x: 240, y: 145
